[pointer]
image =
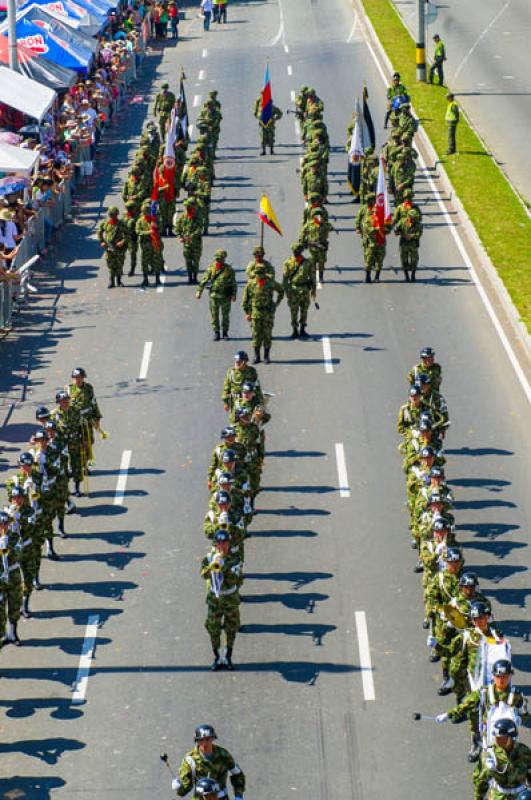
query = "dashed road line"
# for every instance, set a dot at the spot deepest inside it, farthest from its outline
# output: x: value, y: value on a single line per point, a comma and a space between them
x: 144, y: 366
x: 344, y: 490
x: 85, y: 660
x: 204, y: 54
x: 121, y: 483
x: 290, y: 69
x: 197, y: 100
x: 365, y: 656
x: 327, y: 355
x: 286, y: 48
x: 202, y: 74
x: 297, y: 127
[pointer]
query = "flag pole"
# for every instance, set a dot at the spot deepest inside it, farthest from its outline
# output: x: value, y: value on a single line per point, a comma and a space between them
x: 261, y: 234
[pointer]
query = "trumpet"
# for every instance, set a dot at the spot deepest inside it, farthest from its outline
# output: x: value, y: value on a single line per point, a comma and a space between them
x: 216, y: 565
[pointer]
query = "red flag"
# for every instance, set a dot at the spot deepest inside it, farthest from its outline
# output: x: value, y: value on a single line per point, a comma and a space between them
x: 383, y: 211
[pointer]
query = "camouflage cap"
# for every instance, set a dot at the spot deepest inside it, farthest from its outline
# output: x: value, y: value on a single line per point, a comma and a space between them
x: 130, y: 205
x: 297, y: 247
x: 407, y: 194
x: 190, y: 201
x: 220, y: 254
x: 213, y: 93
x: 146, y: 204
x: 371, y: 198
x: 165, y: 85
x: 258, y: 250
x: 313, y: 196
x: 113, y: 211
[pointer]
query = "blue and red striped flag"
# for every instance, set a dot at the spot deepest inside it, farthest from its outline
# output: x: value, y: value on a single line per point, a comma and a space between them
x: 267, y: 101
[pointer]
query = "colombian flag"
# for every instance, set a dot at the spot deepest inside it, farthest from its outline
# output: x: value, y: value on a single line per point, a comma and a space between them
x: 267, y: 215
x: 267, y: 101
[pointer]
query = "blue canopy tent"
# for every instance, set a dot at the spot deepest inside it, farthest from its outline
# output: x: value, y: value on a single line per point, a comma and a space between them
x: 43, y: 42
x: 79, y: 41
x: 71, y: 13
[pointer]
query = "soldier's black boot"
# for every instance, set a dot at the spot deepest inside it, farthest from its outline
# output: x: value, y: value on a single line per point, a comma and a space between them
x: 294, y: 332
x: 119, y: 281
x: 413, y: 278
x: 418, y: 566
x: 321, y: 276
x: 263, y: 151
x: 267, y: 350
x: 111, y: 283
x: 131, y: 272
x: 145, y: 283
x: 216, y: 664
x: 36, y: 582
x: 216, y: 336
x: 190, y: 276
x: 226, y: 335
x: 406, y: 276
x: 228, y: 658
x: 377, y: 276
x: 12, y: 635
x: 302, y: 331
x: 50, y: 552
x: 257, y: 358
x: 272, y: 150
x: 447, y: 685
x: 78, y: 492
x: 367, y: 276
x: 475, y: 749
x: 61, y: 527
x: 157, y: 280
x: 71, y: 507
x: 24, y: 610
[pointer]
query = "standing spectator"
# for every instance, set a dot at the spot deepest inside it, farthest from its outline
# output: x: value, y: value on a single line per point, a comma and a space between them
x: 206, y: 8
x: 173, y: 13
x: 439, y: 56
x: 164, y: 21
x: 222, y: 10
x: 452, y: 120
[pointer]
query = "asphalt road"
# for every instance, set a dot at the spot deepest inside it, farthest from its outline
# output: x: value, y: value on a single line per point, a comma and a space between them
x: 296, y: 712
x: 487, y: 44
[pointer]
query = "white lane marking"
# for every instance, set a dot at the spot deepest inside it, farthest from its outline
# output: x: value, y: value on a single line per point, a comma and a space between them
x: 190, y: 130
x: 344, y: 491
x: 468, y: 263
x: 83, y: 672
x: 353, y: 29
x: 286, y: 48
x: 280, y: 34
x: 197, y: 100
x: 297, y: 127
x: 290, y: 69
x: 121, y: 483
x: 480, y: 37
x: 144, y: 366
x: 327, y: 355
x: 160, y: 289
x: 292, y: 95
x: 204, y: 54
x: 508, y: 77
x: 365, y: 656
x: 202, y: 74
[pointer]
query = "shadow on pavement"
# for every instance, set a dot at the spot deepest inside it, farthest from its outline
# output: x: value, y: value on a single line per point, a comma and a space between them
x: 276, y: 534
x: 47, y: 750
x: 298, y: 579
x: 317, y: 632
x: 29, y: 788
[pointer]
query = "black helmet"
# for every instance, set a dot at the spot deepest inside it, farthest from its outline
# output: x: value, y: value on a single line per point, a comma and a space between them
x: 222, y: 498
x: 247, y: 386
x: 427, y: 352
x: 18, y: 491
x: 222, y: 536
x: 453, y: 554
x: 414, y: 391
x: 51, y: 425
x: 478, y: 609
x: 502, y: 667
x: 42, y: 412
x: 425, y: 424
x: 5, y: 519
x: 241, y: 355
x: 40, y: 435
x: 505, y: 727
x: 79, y: 371
x: 206, y: 786
x: 468, y: 579
x: 424, y: 378
x: 204, y: 732
x: 436, y: 472
x: 228, y: 456
x: 228, y: 431
x: 435, y: 497
x: 62, y: 394
x: 224, y: 479
x: 426, y: 452
x: 441, y: 524
x: 25, y: 459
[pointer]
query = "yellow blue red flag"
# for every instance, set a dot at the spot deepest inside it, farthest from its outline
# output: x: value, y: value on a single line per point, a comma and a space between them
x: 267, y: 215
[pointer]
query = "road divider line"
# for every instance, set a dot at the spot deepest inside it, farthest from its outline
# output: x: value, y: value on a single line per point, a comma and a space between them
x: 297, y: 128
x: 204, y: 54
x: 121, y: 483
x: 85, y: 660
x: 280, y: 34
x: 290, y: 69
x: 292, y: 95
x: 327, y: 355
x: 190, y: 130
x: 197, y: 100
x: 520, y: 374
x: 365, y: 656
x: 344, y: 490
x: 353, y: 30
x: 160, y: 289
x: 202, y: 74
x: 286, y: 48
x: 144, y: 366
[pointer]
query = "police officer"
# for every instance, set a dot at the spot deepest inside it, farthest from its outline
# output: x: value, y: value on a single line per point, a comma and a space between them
x: 439, y: 57
x: 209, y: 760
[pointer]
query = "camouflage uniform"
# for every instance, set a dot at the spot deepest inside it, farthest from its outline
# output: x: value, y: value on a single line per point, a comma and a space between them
x: 132, y: 238
x: 407, y: 223
x: 113, y: 235
x: 189, y: 228
x: 223, y: 612
x: 221, y: 281
x: 267, y: 133
x: 219, y: 766
x: 507, y: 770
x: 151, y: 245
x: 25, y: 530
x: 299, y: 286
x: 314, y: 236
x: 232, y: 385
x: 164, y: 102
x: 258, y: 304
x: 433, y: 370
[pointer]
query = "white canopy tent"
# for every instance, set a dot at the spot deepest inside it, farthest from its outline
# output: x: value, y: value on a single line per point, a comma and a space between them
x: 27, y: 96
x: 16, y: 159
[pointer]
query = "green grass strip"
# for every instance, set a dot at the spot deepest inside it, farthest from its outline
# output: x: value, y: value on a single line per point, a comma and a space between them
x: 496, y: 213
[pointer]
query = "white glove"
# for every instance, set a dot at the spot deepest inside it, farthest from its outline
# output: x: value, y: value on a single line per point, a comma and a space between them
x: 440, y: 718
x: 431, y: 641
x: 175, y: 784
x: 490, y: 760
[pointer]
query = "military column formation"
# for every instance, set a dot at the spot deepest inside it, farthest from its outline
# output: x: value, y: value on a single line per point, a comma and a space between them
x: 474, y: 654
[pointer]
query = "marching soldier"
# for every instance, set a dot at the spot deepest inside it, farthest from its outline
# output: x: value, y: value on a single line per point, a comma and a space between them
x: 83, y: 399
x: 397, y: 89
x: 208, y: 761
x: 132, y: 238
x: 426, y: 366
x: 261, y: 262
x: 407, y: 224
x: 151, y: 245
x: 189, y: 228
x: 220, y: 279
x: 10, y: 577
x: 236, y: 376
x: 222, y: 572
x: 113, y: 237
x: 23, y: 525
x: 259, y: 306
x: 314, y: 236
x: 267, y: 132
x: 506, y: 768
x: 299, y: 286
x: 164, y: 102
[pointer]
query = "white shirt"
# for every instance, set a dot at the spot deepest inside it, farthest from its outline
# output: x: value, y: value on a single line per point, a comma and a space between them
x: 10, y: 231
x: 206, y: 5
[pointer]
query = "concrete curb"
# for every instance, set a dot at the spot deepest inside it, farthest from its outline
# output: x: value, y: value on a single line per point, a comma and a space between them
x: 490, y: 280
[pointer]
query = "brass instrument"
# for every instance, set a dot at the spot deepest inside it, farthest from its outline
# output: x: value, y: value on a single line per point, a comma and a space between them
x: 453, y: 615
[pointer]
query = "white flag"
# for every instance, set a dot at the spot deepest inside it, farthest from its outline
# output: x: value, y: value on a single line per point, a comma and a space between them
x: 356, y: 143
